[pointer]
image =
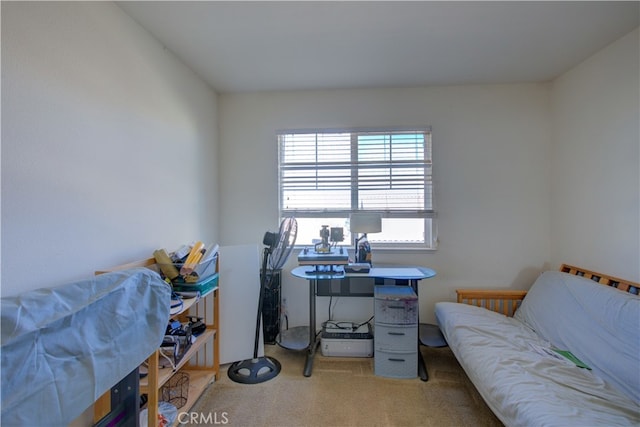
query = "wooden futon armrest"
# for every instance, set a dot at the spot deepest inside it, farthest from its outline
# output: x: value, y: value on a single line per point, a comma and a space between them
x: 504, y: 301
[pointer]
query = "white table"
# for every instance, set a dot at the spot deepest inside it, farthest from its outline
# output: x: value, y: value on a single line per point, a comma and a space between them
x: 412, y: 275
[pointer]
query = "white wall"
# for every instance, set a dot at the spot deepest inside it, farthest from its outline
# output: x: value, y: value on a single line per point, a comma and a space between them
x: 596, y: 162
x: 110, y: 150
x: 109, y: 144
x: 491, y: 165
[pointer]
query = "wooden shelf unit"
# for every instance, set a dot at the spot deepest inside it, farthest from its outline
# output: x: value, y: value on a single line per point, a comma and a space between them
x: 201, y: 362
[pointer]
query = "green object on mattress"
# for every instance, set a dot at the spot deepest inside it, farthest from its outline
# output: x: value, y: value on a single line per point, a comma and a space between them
x: 566, y: 353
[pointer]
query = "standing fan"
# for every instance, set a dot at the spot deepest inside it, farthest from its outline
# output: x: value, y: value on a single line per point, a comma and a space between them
x: 278, y: 248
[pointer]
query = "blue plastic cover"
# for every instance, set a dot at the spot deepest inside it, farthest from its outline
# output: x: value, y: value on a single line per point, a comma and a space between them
x: 62, y: 348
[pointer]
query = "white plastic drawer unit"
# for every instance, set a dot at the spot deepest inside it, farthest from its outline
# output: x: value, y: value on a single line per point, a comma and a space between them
x: 394, y: 364
x: 396, y: 338
x: 396, y: 305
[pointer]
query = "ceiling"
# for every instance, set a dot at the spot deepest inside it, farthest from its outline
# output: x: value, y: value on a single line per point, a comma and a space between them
x: 242, y: 46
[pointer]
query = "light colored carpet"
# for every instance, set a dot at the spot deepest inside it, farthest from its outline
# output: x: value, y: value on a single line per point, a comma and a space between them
x: 345, y: 392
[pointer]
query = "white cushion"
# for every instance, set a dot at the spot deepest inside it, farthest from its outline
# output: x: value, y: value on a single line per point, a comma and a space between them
x: 598, y: 324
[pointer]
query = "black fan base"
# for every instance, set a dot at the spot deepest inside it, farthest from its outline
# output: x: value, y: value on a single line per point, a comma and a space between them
x: 254, y: 371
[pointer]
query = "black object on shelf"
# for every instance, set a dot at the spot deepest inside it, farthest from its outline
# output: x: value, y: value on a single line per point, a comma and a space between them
x: 125, y: 409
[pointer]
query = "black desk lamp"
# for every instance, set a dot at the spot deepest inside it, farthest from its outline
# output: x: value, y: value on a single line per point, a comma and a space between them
x: 364, y: 222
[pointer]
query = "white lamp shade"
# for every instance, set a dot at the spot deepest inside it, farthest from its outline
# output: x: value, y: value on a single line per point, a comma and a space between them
x: 365, y: 222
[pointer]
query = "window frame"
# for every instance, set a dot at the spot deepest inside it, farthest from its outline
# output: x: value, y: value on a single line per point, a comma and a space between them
x: 430, y: 238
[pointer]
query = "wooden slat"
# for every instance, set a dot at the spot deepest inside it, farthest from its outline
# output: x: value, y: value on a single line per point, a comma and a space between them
x: 504, y: 301
x: 507, y: 301
x: 149, y: 262
x: 153, y: 392
x: 102, y: 407
x: 603, y: 279
x: 500, y: 294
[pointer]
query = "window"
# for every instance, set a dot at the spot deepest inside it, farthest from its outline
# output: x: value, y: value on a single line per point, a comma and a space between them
x: 326, y: 175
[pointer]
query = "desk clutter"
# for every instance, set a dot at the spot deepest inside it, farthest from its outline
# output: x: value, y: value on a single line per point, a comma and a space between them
x: 190, y: 263
x: 190, y: 270
x: 178, y: 339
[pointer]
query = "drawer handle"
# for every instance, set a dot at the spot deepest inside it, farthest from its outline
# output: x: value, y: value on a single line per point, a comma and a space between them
x: 396, y: 333
x: 391, y: 359
x: 398, y: 307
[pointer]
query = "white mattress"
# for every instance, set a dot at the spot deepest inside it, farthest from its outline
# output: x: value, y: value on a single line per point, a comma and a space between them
x: 520, y: 385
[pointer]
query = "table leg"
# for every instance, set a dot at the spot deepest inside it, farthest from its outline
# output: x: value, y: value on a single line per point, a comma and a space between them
x: 414, y: 285
x: 308, y: 365
x: 422, y: 367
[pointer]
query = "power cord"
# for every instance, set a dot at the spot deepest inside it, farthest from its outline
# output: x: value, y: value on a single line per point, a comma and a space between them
x: 339, y: 325
x: 334, y: 306
x: 351, y: 325
x: 365, y: 322
x: 169, y: 359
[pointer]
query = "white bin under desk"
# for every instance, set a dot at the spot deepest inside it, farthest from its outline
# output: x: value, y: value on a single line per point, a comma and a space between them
x: 396, y: 332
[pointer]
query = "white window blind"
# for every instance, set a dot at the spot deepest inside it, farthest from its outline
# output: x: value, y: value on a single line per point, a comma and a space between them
x: 330, y: 174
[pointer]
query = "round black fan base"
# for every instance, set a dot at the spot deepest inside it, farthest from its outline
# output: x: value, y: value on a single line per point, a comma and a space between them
x: 254, y: 371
